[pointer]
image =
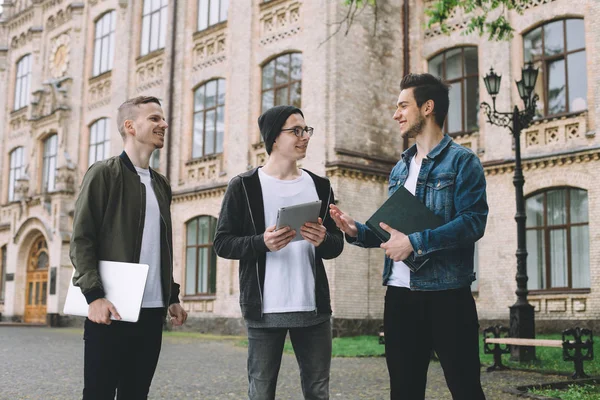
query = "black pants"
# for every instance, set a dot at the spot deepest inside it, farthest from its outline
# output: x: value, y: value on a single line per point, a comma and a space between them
x: 445, y: 321
x: 122, y: 356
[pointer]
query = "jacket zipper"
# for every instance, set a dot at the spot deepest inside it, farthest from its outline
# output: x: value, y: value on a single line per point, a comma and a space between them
x: 256, y: 233
x: 142, y: 209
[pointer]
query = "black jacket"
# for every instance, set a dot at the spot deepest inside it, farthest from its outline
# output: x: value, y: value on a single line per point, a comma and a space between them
x: 240, y: 232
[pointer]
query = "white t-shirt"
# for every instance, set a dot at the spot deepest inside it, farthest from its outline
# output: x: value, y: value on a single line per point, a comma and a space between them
x: 289, y: 279
x: 150, y: 253
x: 400, y: 272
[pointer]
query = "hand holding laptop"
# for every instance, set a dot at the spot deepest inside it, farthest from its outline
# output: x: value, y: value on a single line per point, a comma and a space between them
x: 101, y: 310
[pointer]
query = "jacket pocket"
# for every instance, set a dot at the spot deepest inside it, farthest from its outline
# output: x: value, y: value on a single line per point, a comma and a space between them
x: 440, y: 194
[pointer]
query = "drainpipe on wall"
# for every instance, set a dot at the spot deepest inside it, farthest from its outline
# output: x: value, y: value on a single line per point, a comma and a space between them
x: 171, y: 86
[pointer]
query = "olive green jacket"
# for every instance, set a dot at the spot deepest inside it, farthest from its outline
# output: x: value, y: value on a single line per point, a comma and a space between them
x: 109, y: 222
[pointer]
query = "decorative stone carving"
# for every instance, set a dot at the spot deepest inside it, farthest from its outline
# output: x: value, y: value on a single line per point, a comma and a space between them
x: 557, y: 132
x: 99, y: 91
x: 65, y: 178
x: 149, y: 72
x: 258, y: 155
x: 18, y: 120
x: 60, y: 56
x: 22, y: 187
x: 203, y: 170
x: 209, y: 49
x: 280, y: 21
x: 53, y: 96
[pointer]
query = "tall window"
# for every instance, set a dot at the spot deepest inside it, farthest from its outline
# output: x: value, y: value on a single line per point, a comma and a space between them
x: 99, y: 141
x: 557, y: 48
x: 282, y: 81
x: 23, y: 82
x: 201, y: 259
x: 209, y: 126
x: 17, y: 169
x: 104, y: 43
x: 558, y: 243
x: 49, y: 164
x: 211, y: 12
x: 154, y: 25
x: 2, y: 271
x: 459, y: 68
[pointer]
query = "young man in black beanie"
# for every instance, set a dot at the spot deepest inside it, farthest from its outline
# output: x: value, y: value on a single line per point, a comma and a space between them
x: 283, y: 284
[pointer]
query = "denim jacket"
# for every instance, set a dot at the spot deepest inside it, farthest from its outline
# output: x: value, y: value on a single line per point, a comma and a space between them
x: 451, y: 183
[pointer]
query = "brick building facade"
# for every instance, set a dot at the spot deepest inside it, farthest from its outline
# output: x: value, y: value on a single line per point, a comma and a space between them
x: 66, y: 66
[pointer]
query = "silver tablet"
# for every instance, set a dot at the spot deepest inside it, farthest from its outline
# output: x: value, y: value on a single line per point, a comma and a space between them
x: 297, y: 215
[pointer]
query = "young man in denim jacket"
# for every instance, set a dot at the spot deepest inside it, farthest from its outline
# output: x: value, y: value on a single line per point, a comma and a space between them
x: 430, y: 307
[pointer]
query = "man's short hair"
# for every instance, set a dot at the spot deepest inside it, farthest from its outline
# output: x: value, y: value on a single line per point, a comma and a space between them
x: 128, y: 110
x: 428, y: 87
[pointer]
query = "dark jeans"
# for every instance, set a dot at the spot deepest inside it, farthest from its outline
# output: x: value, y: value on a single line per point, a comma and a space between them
x: 122, y: 356
x: 312, y: 346
x: 416, y: 322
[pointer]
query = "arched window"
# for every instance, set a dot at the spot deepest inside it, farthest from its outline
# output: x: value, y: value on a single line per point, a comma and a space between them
x: 104, y: 43
x: 17, y: 169
x: 23, y: 82
x: 99, y: 141
x: 282, y: 81
x: 558, y: 243
x: 201, y: 259
x: 209, y: 125
x: 211, y: 12
x: 459, y: 67
x: 154, y: 25
x: 49, y: 164
x: 557, y: 48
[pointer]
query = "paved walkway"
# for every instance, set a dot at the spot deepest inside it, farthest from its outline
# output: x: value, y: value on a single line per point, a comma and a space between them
x: 47, y: 364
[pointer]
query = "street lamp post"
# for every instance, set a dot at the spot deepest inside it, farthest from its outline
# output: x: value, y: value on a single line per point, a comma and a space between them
x: 522, y: 323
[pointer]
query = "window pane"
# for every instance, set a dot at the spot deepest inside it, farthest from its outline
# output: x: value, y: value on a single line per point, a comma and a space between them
x: 202, y: 14
x: 268, y: 75
x: 209, y: 132
x: 155, y: 5
x: 203, y: 272
x: 296, y: 67
x: 97, y: 57
x: 472, y: 103
x: 575, y: 34
x: 556, y: 87
x: 556, y: 203
x: 220, y: 128
x: 579, y: 206
x: 204, y: 224
x: 540, y: 89
x: 532, y: 43
x: 145, y: 45
x: 454, y: 121
x: 224, y: 7
x: 37, y: 293
x: 192, y: 232
x: 198, y: 145
x: 211, y: 94
x: 281, y: 96
x: 454, y: 64
x: 190, y: 271
x: 580, y: 253
x: 535, y: 211
x: 576, y: 64
x: 213, y: 271
x: 267, y: 100
x: 296, y: 94
x: 44, y: 290
x: 30, y: 296
x: 221, y: 92
x: 471, y: 61
x: 162, y: 34
x: 199, y: 98
x: 147, y: 6
x: 558, y: 258
x: 213, y: 16
x: 536, y: 260
x: 553, y: 38
x: 436, y: 66
x: 154, y: 31
x: 282, y: 70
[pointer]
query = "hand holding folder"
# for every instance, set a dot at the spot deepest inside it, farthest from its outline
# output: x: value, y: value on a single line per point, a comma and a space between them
x: 405, y: 213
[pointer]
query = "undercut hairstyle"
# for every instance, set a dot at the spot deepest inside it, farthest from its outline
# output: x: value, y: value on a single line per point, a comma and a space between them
x: 128, y: 110
x: 428, y: 87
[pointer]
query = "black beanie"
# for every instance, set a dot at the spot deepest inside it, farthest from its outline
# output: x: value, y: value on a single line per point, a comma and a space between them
x: 271, y: 122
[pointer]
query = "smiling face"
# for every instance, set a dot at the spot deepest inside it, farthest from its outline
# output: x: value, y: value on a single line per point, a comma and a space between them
x: 408, y: 115
x: 287, y: 144
x: 148, y: 127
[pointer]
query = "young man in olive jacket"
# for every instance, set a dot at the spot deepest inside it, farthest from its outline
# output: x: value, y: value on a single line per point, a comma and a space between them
x: 123, y: 214
x: 283, y: 284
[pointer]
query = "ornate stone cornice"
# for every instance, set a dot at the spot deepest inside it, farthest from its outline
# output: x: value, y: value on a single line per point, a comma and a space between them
x: 201, y: 192
x: 356, y: 171
x: 498, y: 167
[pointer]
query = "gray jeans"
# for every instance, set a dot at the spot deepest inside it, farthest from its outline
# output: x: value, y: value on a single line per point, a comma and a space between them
x: 312, y: 346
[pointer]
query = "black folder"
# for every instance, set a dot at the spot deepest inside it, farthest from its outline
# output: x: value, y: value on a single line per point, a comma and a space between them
x: 405, y: 213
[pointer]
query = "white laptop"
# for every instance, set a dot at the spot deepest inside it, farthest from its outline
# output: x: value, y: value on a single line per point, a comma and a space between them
x: 123, y: 284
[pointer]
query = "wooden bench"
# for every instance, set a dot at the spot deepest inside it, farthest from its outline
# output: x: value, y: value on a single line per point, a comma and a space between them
x: 575, y: 348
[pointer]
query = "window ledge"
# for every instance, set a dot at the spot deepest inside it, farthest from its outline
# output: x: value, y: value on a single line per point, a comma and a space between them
x: 210, y: 29
x: 100, y: 77
x: 270, y: 3
x: 200, y: 160
x: 555, y: 117
x: 19, y: 111
x: 150, y: 55
x: 199, y: 297
x: 551, y: 292
x: 259, y: 145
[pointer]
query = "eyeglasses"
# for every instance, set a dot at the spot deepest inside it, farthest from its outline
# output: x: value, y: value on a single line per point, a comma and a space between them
x: 299, y: 132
